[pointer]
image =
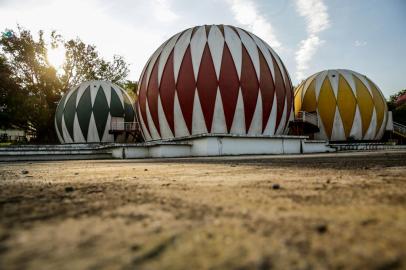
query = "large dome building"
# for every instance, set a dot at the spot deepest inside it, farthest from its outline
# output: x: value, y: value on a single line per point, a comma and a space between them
x: 85, y: 112
x: 349, y: 105
x: 214, y: 79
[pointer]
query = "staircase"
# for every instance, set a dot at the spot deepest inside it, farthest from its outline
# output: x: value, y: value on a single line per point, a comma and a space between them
x: 399, y: 129
x: 119, y: 127
x: 306, y: 117
x: 305, y: 123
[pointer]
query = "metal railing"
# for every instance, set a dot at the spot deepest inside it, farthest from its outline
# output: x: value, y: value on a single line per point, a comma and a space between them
x: 124, y: 126
x: 362, y: 146
x: 308, y: 117
x: 399, y: 128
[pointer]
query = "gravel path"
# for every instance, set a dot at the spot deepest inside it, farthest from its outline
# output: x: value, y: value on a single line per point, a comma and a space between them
x: 327, y: 211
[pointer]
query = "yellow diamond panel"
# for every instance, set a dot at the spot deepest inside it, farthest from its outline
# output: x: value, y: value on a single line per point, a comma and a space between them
x: 379, y: 106
x: 298, y: 98
x: 346, y: 103
x: 365, y: 104
x: 327, y: 106
x: 309, y: 99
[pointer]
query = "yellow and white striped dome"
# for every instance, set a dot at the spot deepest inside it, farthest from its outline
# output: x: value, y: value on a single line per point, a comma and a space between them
x: 348, y: 105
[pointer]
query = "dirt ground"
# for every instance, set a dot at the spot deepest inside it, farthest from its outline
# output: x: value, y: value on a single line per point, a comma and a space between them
x: 330, y: 211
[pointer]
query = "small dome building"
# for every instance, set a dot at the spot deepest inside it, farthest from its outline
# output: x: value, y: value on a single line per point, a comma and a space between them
x: 349, y: 105
x: 86, y: 112
x: 214, y: 79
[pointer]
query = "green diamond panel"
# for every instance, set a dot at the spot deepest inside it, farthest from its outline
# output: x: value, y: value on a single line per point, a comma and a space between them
x: 69, y: 112
x: 84, y: 111
x: 100, y: 112
x: 59, y: 114
x: 116, y: 108
x: 128, y: 109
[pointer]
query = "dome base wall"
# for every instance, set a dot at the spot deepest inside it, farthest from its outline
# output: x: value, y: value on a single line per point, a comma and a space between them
x: 223, y: 145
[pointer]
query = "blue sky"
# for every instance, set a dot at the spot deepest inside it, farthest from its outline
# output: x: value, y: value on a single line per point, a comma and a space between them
x: 368, y: 36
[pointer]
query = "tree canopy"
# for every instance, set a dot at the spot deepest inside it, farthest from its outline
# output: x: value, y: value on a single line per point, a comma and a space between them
x: 398, y: 110
x: 30, y: 86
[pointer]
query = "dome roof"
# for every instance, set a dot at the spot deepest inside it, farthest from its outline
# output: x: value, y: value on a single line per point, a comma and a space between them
x: 85, y: 111
x: 214, y: 79
x: 349, y: 105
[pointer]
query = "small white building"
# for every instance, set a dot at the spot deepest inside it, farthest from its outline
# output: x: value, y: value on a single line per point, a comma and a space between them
x: 13, y: 135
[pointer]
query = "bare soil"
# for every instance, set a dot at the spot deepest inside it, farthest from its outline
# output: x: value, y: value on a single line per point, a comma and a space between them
x: 330, y: 211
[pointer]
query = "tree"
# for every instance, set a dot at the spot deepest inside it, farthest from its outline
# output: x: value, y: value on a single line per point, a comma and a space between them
x: 12, y: 100
x: 398, y: 110
x: 83, y: 63
x: 31, y: 87
x: 131, y: 87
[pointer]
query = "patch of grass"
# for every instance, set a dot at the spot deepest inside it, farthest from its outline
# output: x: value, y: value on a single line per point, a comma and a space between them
x: 4, y: 144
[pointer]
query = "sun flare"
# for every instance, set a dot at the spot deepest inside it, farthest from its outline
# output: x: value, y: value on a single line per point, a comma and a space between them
x: 56, y: 57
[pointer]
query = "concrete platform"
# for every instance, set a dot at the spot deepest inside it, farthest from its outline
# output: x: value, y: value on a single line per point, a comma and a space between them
x: 222, y: 145
x: 55, y: 152
x: 193, y: 146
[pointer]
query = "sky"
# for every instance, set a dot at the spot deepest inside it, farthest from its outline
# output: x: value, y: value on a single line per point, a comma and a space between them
x: 367, y: 36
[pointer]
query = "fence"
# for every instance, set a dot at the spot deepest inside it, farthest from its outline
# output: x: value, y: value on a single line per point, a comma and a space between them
x: 399, y: 128
x: 308, y: 117
x: 123, y: 126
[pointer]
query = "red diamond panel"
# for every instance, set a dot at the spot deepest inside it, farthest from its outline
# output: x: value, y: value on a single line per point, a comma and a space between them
x: 207, y: 86
x: 249, y: 87
x: 152, y: 95
x: 229, y: 86
x: 267, y: 89
x: 280, y: 93
x: 185, y: 88
x: 288, y: 91
x: 167, y: 91
x: 143, y: 99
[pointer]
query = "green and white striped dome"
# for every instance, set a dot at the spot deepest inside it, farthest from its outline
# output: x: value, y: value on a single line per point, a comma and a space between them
x: 84, y: 113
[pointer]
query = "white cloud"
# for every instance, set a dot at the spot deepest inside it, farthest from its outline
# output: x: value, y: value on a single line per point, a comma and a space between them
x: 360, y: 43
x: 308, y: 48
x: 317, y: 20
x: 246, y: 13
x: 163, y: 12
x: 315, y: 13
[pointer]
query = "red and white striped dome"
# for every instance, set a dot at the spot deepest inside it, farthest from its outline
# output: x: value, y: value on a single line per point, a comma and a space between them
x: 214, y: 79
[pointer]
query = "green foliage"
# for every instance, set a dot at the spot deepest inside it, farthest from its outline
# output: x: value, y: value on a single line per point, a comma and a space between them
x: 398, y: 111
x: 84, y: 63
x: 12, y: 100
x: 394, y: 97
x: 30, y: 87
x: 131, y: 87
x: 399, y: 114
